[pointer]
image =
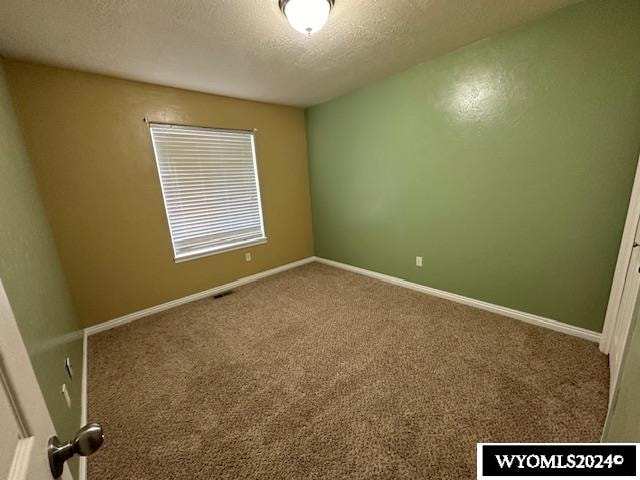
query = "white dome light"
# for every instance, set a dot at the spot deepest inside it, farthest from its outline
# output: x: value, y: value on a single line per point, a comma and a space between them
x: 306, y: 16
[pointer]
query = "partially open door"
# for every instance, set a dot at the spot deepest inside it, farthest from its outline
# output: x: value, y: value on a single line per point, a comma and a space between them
x: 24, y: 419
x: 625, y: 288
x: 625, y: 313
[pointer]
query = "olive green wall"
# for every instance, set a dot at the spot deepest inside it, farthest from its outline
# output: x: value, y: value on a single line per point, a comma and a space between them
x: 507, y: 165
x: 93, y: 160
x: 623, y: 422
x: 32, y: 277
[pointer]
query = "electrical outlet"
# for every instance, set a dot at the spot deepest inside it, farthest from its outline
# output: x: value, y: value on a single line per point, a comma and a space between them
x: 65, y: 394
x: 418, y: 261
x: 247, y: 256
x: 69, y: 368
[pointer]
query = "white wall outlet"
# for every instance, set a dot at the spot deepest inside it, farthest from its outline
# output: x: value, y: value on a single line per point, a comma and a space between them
x: 247, y: 256
x: 68, y: 367
x: 418, y: 261
x: 65, y: 394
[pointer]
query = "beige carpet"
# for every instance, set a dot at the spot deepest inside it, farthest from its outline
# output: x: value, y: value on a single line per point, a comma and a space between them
x: 317, y: 373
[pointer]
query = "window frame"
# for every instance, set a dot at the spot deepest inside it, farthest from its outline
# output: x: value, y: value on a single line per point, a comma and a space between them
x: 223, y: 248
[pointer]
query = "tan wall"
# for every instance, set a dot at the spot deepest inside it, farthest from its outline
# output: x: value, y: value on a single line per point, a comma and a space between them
x: 94, y: 165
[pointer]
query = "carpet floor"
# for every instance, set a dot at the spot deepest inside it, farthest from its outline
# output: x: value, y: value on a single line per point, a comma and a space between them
x: 319, y: 373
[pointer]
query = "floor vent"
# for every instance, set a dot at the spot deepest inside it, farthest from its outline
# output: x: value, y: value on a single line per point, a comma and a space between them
x: 223, y: 294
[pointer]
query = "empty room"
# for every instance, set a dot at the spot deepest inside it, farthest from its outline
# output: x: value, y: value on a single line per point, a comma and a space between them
x: 319, y: 239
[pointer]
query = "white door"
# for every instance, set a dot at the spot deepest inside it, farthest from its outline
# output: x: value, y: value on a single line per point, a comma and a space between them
x: 25, y: 424
x: 625, y: 312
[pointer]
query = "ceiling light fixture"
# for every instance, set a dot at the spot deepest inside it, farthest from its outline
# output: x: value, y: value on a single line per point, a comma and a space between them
x: 306, y: 16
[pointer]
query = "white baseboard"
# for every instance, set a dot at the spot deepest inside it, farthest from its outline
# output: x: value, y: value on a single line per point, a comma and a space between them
x: 507, y: 312
x: 116, y: 322
x: 82, y: 471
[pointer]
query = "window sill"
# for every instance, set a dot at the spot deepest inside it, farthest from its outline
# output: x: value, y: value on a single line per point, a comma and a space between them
x: 208, y: 253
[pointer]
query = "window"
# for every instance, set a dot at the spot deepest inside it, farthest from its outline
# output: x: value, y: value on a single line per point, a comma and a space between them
x: 210, y: 186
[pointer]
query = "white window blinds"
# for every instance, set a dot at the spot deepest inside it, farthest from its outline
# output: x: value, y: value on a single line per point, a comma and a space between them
x: 210, y: 187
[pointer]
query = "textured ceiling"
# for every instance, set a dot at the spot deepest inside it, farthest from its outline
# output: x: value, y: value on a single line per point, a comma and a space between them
x: 245, y: 48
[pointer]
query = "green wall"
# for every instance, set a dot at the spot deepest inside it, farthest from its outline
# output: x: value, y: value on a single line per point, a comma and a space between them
x: 623, y: 422
x: 507, y: 165
x: 32, y: 277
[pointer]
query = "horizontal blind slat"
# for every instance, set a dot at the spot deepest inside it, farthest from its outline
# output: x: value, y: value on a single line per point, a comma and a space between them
x: 186, y: 184
x: 220, y: 236
x: 190, y: 197
x: 208, y: 217
x: 194, y: 224
x: 221, y: 173
x: 216, y: 231
x: 191, y: 182
x: 194, y: 212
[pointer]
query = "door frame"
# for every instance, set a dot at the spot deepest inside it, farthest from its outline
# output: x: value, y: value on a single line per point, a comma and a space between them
x: 26, y: 397
x: 624, y: 257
